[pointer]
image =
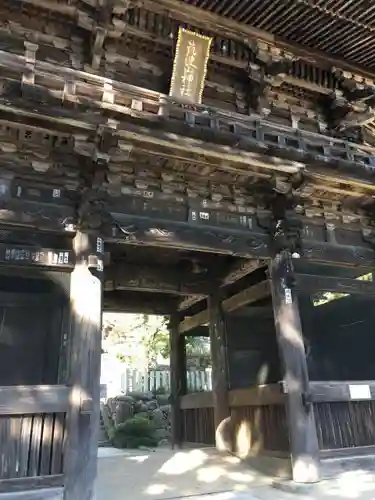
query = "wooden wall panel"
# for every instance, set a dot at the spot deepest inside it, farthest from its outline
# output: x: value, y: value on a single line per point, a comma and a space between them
x: 346, y: 322
x: 31, y: 445
x: 199, y: 426
x: 259, y: 429
x: 346, y: 424
x: 252, y: 349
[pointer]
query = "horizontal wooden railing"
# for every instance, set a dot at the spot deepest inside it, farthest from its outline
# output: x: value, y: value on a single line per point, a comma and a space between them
x: 21, y: 400
x: 87, y: 91
x: 270, y: 394
x: 329, y: 392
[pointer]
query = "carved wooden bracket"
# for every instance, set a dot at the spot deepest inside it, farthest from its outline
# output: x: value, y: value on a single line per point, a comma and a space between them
x: 285, y: 230
x: 267, y: 67
x: 350, y: 107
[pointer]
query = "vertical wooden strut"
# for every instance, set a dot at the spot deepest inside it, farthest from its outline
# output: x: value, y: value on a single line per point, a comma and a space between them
x: 84, y: 368
x: 178, y: 378
x: 219, y: 372
x: 301, y: 423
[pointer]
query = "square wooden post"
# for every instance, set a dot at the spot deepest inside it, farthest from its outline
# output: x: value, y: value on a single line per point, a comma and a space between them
x: 220, y: 384
x: 178, y: 378
x: 301, y: 423
x: 84, y: 368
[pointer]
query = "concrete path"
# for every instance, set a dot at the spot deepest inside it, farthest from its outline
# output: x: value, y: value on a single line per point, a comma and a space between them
x: 164, y: 474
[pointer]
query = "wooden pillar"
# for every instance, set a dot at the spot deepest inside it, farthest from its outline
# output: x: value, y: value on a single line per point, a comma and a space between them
x: 219, y: 372
x: 178, y: 378
x: 301, y: 424
x: 84, y: 368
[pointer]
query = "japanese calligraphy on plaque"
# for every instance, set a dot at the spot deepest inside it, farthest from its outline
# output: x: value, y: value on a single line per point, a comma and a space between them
x: 20, y: 255
x: 190, y: 65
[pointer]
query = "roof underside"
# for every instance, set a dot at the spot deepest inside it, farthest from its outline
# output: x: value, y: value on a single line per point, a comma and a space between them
x: 341, y: 28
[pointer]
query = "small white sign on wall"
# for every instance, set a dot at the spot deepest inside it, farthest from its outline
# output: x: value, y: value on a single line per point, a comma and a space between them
x: 361, y: 391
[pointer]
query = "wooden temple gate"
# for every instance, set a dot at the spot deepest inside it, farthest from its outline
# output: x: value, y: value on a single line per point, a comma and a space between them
x: 232, y: 190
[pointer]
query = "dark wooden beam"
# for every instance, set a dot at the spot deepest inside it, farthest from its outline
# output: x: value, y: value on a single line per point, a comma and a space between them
x: 237, y: 270
x: 334, y: 391
x: 240, y: 299
x: 178, y: 378
x: 33, y: 257
x: 251, y: 242
x: 220, y: 384
x: 139, y: 302
x: 309, y: 282
x: 84, y: 368
x: 301, y: 423
x: 150, y: 278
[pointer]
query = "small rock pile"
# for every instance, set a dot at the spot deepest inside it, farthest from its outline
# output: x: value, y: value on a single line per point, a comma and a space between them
x: 155, y: 408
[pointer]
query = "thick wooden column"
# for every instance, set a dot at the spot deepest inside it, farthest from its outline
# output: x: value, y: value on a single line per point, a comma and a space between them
x: 84, y: 368
x: 220, y: 384
x: 302, y: 431
x: 178, y: 378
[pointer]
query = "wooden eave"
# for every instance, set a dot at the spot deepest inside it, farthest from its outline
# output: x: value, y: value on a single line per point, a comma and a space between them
x: 87, y: 15
x: 78, y: 106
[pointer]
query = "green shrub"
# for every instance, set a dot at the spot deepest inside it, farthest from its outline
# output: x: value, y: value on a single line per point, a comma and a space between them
x: 133, y: 433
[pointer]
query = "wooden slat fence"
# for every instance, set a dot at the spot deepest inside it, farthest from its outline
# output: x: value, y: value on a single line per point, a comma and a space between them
x: 159, y: 380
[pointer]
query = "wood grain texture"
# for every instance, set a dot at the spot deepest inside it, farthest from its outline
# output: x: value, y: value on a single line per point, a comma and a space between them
x: 31, y: 447
x: 300, y: 417
x: 220, y: 385
x: 20, y: 400
x: 336, y: 391
x: 345, y: 425
x: 43, y: 494
x: 236, y: 301
x: 178, y: 378
x: 199, y: 426
x: 83, y: 374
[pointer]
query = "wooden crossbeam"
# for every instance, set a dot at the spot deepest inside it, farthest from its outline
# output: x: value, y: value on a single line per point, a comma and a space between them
x: 237, y: 271
x: 245, y: 297
x: 148, y: 278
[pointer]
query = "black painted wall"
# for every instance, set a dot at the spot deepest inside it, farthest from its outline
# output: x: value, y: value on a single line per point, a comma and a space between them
x: 252, y: 349
x: 339, y: 338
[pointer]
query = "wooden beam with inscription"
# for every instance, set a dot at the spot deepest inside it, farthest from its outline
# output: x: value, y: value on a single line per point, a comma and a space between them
x: 29, y: 256
x: 300, y: 415
x: 244, y: 240
x: 245, y: 297
x: 190, y: 65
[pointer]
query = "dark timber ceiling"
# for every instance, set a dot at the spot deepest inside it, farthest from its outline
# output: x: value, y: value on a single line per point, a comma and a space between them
x: 342, y: 28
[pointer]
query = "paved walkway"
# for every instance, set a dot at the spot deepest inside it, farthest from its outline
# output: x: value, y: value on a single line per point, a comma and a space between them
x: 164, y: 474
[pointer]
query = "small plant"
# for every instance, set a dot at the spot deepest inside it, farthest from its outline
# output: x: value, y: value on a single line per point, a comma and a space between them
x: 133, y: 433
